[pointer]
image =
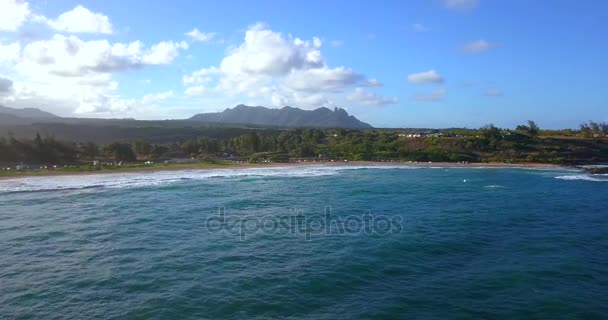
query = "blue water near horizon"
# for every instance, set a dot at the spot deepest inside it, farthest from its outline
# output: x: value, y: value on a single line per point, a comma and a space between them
x: 472, y: 243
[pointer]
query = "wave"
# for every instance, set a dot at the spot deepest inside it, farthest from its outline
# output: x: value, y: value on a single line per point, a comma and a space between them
x: 144, y: 179
x: 585, y: 177
x: 139, y: 179
x: 494, y: 186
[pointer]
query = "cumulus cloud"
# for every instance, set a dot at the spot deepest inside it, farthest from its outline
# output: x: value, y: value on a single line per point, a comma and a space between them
x: 435, y: 95
x: 6, y: 86
x: 363, y: 97
x: 157, y: 97
x: 13, y: 13
x: 163, y: 52
x: 67, y: 72
x: 195, y: 90
x: 70, y: 56
x: 282, y: 69
x: 104, y: 104
x: 477, y: 46
x: 202, y: 76
x: 80, y: 20
x: 269, y: 53
x: 76, y: 74
x: 324, y: 79
x: 461, y: 4
x: 9, y: 53
x: 426, y: 77
x: 62, y: 95
x: 197, y: 35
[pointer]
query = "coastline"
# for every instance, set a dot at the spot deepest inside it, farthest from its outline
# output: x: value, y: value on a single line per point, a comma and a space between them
x: 240, y: 166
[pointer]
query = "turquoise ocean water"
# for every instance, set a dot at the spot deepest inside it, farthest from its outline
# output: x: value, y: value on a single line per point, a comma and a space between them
x: 306, y: 243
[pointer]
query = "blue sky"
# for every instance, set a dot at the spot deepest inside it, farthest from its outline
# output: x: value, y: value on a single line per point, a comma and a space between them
x: 427, y: 63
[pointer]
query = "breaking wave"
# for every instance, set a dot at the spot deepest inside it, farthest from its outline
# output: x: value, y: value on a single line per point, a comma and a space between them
x: 585, y: 177
x: 145, y: 179
x: 95, y: 181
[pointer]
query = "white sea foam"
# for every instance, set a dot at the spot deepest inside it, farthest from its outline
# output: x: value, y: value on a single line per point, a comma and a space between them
x: 494, y: 186
x: 585, y: 177
x: 142, y: 179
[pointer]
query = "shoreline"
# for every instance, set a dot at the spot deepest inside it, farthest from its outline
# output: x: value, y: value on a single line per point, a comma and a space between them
x: 241, y: 166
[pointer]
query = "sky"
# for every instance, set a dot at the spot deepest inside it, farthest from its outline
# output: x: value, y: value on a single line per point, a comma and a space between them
x: 416, y: 63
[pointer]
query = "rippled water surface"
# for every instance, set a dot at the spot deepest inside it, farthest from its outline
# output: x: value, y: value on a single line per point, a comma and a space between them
x: 471, y: 243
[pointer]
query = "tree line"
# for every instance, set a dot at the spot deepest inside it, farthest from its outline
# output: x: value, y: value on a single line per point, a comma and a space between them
x: 594, y: 129
x: 489, y: 143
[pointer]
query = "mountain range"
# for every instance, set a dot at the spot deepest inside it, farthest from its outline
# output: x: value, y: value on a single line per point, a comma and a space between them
x: 26, y: 123
x: 10, y: 116
x: 286, y: 117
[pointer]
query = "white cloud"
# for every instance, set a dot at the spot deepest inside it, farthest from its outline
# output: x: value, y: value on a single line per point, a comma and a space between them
x: 293, y: 98
x: 426, y: 77
x: 81, y: 20
x: 157, y: 97
x: 418, y: 27
x: 477, y: 46
x: 461, y: 4
x: 372, y: 82
x: 9, y: 53
x: 6, y: 86
x: 164, y: 52
x: 267, y: 52
x: 195, y: 90
x: 197, y: 35
x: 67, y: 73
x: 493, y: 93
x: 371, y: 99
x: 277, y: 69
x: 435, y: 95
x: 62, y: 95
x: 13, y: 13
x: 324, y: 79
x: 70, y: 56
x: 110, y: 105
x: 202, y: 76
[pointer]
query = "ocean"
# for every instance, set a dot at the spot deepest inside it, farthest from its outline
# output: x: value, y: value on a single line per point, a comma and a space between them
x: 306, y: 243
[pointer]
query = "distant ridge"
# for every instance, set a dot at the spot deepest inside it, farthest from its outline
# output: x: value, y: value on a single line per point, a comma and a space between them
x: 284, y: 117
x: 12, y: 116
x: 27, y: 113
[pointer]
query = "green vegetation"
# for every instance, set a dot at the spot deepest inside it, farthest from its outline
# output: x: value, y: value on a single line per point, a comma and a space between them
x: 594, y: 129
x: 531, y: 129
x: 77, y: 169
x: 527, y: 143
